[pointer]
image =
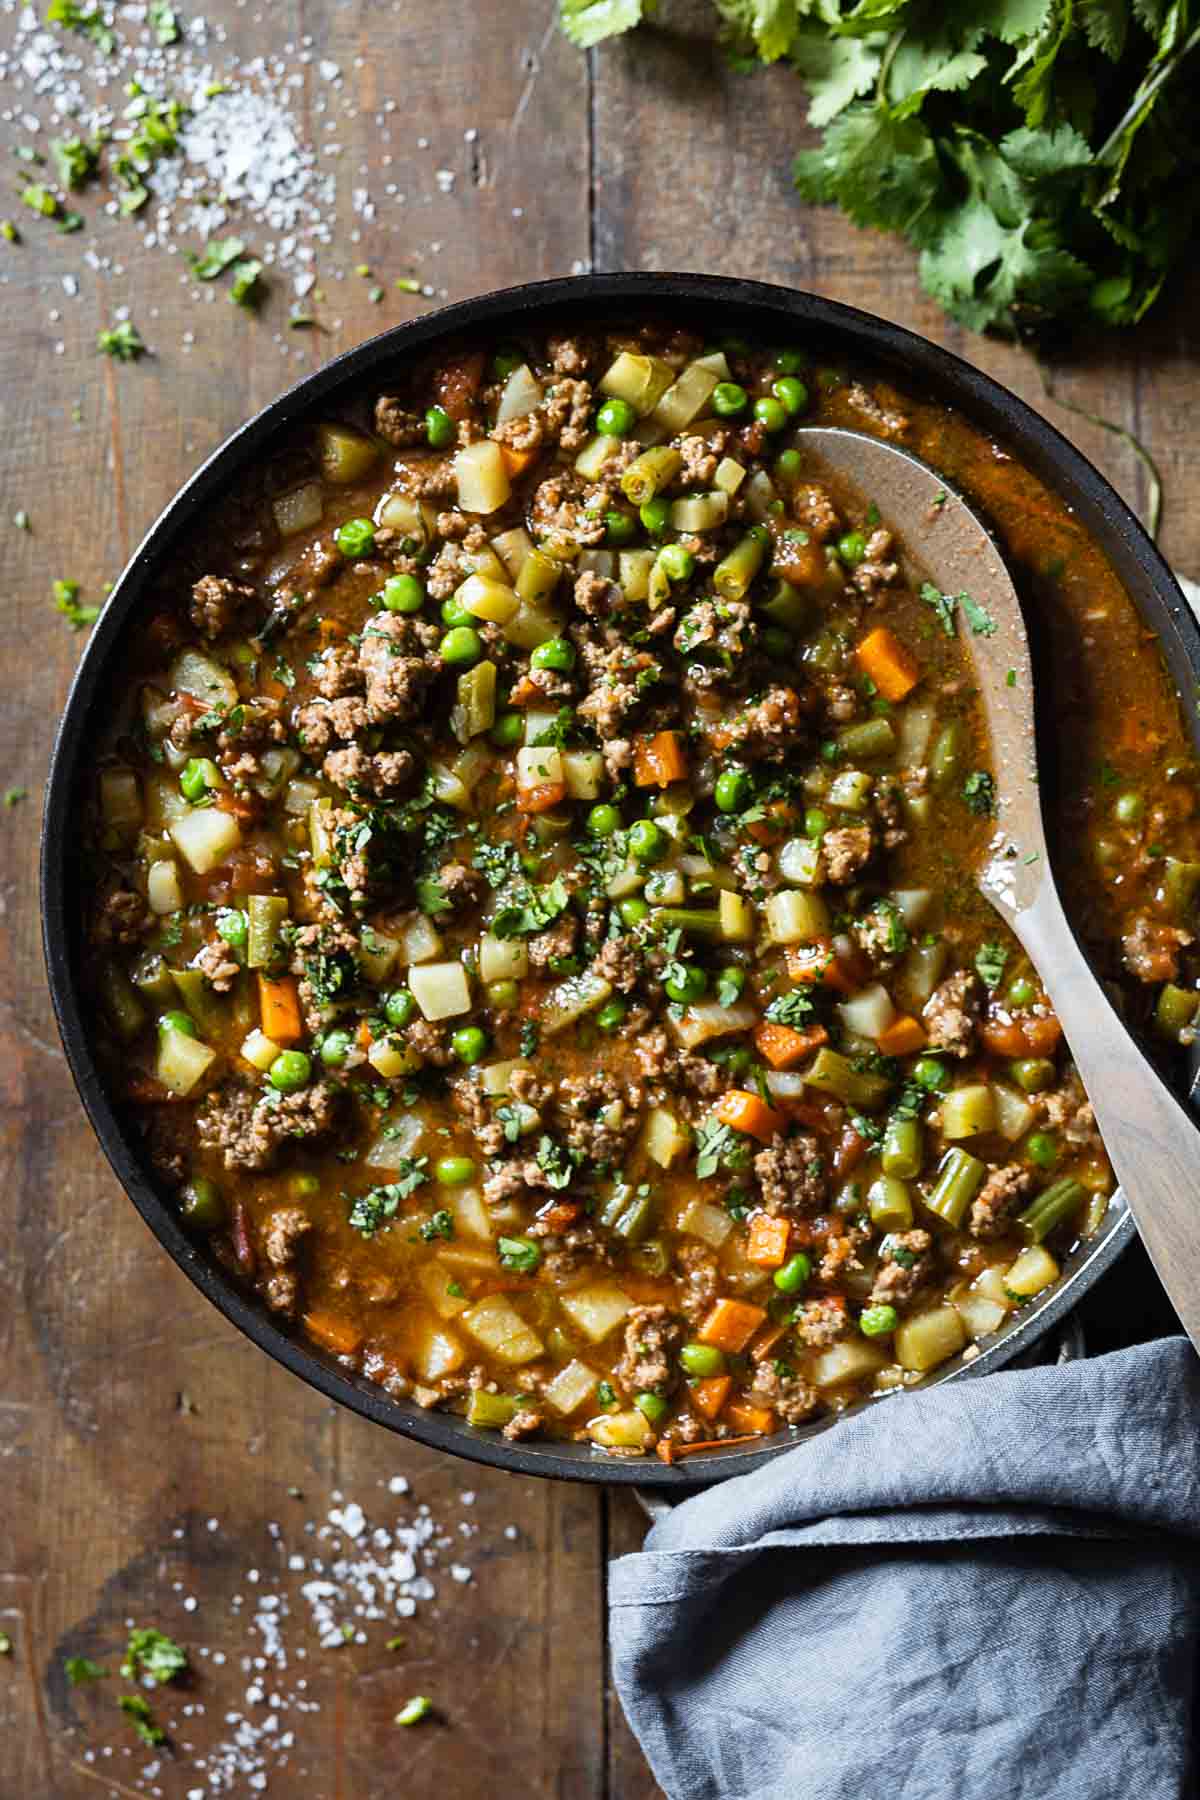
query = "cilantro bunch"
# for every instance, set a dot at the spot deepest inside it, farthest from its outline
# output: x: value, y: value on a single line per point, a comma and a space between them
x: 1040, y: 155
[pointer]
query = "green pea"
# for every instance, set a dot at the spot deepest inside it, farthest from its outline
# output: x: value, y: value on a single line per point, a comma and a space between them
x: 851, y: 548
x: 733, y: 790
x: 355, y: 538
x: 181, y: 1022
x: 463, y: 645
x: 728, y: 398
x: 931, y: 1074
x: 1021, y: 991
x: 557, y: 653
x: 1041, y: 1150
x: 794, y: 1274
x: 816, y: 823
x: 505, y: 360
x: 730, y: 982
x: 335, y: 1048
x: 290, y: 1071
x: 454, y: 1171
x: 1033, y: 1074
x: 201, y: 1204
x: 689, y: 984
x: 702, y: 1361
x: 789, y: 464
x: 778, y: 643
x: 789, y: 362
x: 652, y: 1407
x: 612, y: 1014
x: 770, y: 413
x: 1129, y: 808
x: 655, y: 515
x: 616, y: 418
x: 792, y: 394
x: 402, y: 594
x: 469, y: 1044
x: 878, y: 1321
x: 619, y: 527
x: 439, y: 428
x: 193, y: 780
x: 503, y: 995
x: 633, y: 911
x: 399, y: 1008
x: 648, y: 842
x: 508, y: 730
x: 455, y: 613
x: 603, y: 820
x: 676, y: 562
x: 233, y: 926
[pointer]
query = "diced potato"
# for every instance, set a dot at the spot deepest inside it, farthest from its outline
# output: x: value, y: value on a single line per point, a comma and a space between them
x: 203, y: 678
x: 398, y: 1139
x: 800, y: 862
x: 980, y: 1315
x: 298, y: 510
x: 621, y: 1431
x: 402, y: 512
x: 440, y: 989
x: 512, y: 547
x: 448, y: 788
x: 699, y: 512
x: 182, y: 1062
x: 468, y: 1259
x: 539, y: 765
x: 538, y: 577
x: 531, y: 625
x: 700, y: 1219
x: 471, y: 1216
x: 473, y: 763
x: 797, y: 917
x: 419, y: 940
x: 595, y: 456
x: 378, y: 956
x: 260, y: 1050
x: 571, y: 999
x: 665, y: 887
x: 391, y: 1057
x: 686, y: 398
x: 1033, y: 1270
x: 913, y: 905
x: 596, y: 1310
x: 633, y: 573
x: 1014, y: 1113
x: 583, y: 772
x: 571, y: 1388
x: 627, y: 880
x: 707, y: 1020
x: 437, y: 1280
x: 663, y: 1137
x: 479, y: 470
x: 642, y: 380
x: 852, y: 1360
x: 497, y: 1325
x: 522, y: 393
x: 204, y: 837
x: 346, y: 455
x: 487, y: 599
x: 438, y: 1352
x: 850, y: 791
x: 760, y: 495
x: 735, y: 916
x: 164, y: 890
x: 869, y: 1013
x: 502, y: 959
x: 729, y: 476
x: 968, y: 1111
x: 164, y: 802
x: 992, y: 1285
x: 929, y: 1338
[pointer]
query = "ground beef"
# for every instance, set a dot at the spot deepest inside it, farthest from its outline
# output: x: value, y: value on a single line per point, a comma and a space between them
x: 315, y: 568
x: 890, y: 812
x: 1151, y: 951
x: 566, y: 1254
x: 652, y: 1336
x: 461, y: 886
x: 396, y: 425
x: 433, y: 479
x: 703, y: 1278
x: 714, y: 628
x: 789, y: 1396
x: 567, y: 412
x: 1068, y: 1109
x: 525, y: 433
x: 596, y: 596
x: 322, y: 723
x: 654, y: 1052
x: 952, y: 1012
x: 841, y: 703
x: 219, y: 605
x: 998, y: 1197
x: 876, y: 934
x: 122, y: 918
x: 398, y: 665
x: 572, y: 355
x: 281, y: 1237
x: 815, y: 511
x: 581, y: 1106
x: 338, y: 672
x: 700, y: 459
x: 766, y: 728
x: 560, y: 508
x: 618, y: 757
x: 249, y: 1128
x: 844, y: 852
x: 620, y: 963
x: 216, y: 961
x: 819, y: 1323
x: 557, y: 942
x: 526, y: 1423
x: 454, y: 562
x: 906, y: 1263
x: 387, y: 772
x: 476, y: 1113
x: 429, y: 1041
x: 254, y: 721
x: 890, y: 422
x: 876, y: 571
x: 792, y: 1174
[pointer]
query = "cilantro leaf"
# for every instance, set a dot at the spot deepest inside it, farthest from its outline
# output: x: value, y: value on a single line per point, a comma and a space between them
x: 369, y: 1212
x: 794, y: 1009
x: 991, y: 960
x: 522, y: 1254
x: 979, y: 792
x: 217, y: 256
x: 122, y: 342
x: 66, y: 601
x: 943, y: 605
x: 588, y: 22
x: 143, y: 1719
x: 150, y: 1652
x: 81, y: 1668
x: 978, y: 617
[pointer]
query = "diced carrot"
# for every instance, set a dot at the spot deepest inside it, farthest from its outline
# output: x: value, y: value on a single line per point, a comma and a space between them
x: 756, y: 1421
x: 765, y: 1341
x: 330, y: 631
x: 780, y: 815
x: 558, y: 1216
x: 903, y: 1036
x: 279, y: 1007
x: 517, y: 461
x: 746, y: 1112
x: 818, y: 965
x: 659, y: 760
x: 524, y: 692
x: 274, y: 690
x: 783, y: 1048
x: 1030, y: 1035
x: 239, y: 806
x: 542, y: 797
x: 767, y: 1241
x: 341, y: 1336
x: 883, y: 657
x: 362, y: 1036
x: 709, y: 1395
x: 731, y: 1324
x: 669, y: 1451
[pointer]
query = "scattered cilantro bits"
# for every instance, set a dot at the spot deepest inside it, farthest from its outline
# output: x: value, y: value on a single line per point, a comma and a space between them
x: 1040, y: 157
x: 66, y: 601
x: 122, y: 342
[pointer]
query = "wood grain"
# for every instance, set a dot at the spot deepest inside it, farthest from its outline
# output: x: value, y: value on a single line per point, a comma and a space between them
x: 649, y: 156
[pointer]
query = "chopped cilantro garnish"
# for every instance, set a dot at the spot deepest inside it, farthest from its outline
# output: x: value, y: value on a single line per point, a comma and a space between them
x: 151, y: 1653
x: 121, y: 341
x: 979, y: 793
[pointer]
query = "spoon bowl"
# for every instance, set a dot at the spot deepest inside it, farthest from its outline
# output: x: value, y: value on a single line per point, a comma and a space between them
x: 1153, y: 1144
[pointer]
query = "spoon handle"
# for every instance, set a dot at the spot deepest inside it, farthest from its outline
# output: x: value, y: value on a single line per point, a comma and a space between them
x: 1153, y: 1144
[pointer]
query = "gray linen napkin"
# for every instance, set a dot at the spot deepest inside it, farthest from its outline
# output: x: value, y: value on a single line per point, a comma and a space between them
x: 983, y: 1592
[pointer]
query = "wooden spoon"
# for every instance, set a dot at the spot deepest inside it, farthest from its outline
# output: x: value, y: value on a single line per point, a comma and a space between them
x: 1153, y: 1144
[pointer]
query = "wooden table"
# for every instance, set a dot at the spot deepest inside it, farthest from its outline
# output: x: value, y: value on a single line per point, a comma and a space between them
x: 146, y: 1448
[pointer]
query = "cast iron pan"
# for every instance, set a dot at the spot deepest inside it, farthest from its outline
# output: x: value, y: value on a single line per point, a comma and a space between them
x: 719, y: 305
